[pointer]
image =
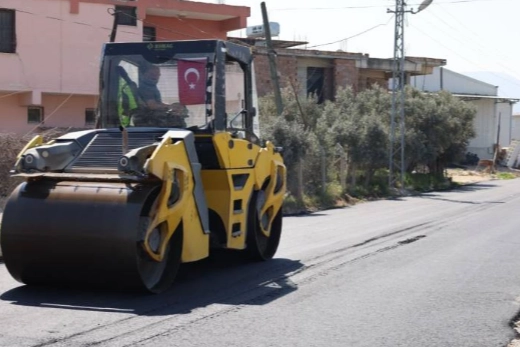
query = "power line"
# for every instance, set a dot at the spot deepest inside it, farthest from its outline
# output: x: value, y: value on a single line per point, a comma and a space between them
x: 350, y: 37
x: 374, y: 6
x: 474, y: 35
x: 464, y: 58
x: 482, y: 49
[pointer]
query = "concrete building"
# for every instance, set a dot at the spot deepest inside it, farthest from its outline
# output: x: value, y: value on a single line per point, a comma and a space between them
x: 492, y: 109
x: 50, y: 51
x: 322, y: 72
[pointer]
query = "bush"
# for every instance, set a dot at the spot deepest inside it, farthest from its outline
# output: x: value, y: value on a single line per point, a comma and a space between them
x: 506, y: 176
x: 11, y: 145
x: 291, y: 205
x: 426, y: 182
x: 331, y: 196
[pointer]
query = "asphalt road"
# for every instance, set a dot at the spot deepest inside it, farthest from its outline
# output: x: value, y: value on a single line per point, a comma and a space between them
x: 441, y: 269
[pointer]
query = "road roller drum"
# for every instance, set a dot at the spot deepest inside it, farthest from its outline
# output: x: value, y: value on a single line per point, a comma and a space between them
x: 76, y: 232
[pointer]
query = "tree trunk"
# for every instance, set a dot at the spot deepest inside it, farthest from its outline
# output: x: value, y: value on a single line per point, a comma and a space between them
x: 352, y: 174
x: 368, y: 178
x: 300, y: 192
x: 343, y: 172
x: 323, y: 170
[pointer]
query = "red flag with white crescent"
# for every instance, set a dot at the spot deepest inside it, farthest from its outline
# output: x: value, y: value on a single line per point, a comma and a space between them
x: 192, y: 81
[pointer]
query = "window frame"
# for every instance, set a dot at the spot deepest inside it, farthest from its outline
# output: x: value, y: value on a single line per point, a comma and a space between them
x: 316, y: 86
x: 152, y: 37
x: 12, y: 48
x: 42, y: 113
x: 128, y: 19
x: 87, y: 110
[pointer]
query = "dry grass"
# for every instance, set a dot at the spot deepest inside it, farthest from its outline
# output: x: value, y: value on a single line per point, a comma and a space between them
x: 472, y: 175
x: 11, y: 144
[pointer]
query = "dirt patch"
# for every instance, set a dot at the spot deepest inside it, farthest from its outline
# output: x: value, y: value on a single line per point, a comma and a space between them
x: 468, y: 176
x: 463, y: 176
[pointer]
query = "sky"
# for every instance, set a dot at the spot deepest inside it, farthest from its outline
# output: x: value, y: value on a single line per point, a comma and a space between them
x: 479, y: 38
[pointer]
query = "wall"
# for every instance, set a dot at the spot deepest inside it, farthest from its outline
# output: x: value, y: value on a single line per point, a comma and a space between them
x: 59, y: 111
x: 505, y: 111
x: 287, y: 69
x: 345, y: 74
x: 171, y: 28
x: 58, y: 52
x: 369, y: 77
x: 486, y: 127
x: 339, y: 73
x: 13, y: 118
x: 482, y: 144
x: 515, y: 128
x: 444, y: 79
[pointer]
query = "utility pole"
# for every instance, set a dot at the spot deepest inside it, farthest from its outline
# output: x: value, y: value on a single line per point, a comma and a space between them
x: 497, y: 147
x: 396, y: 153
x: 115, y: 23
x: 271, y: 54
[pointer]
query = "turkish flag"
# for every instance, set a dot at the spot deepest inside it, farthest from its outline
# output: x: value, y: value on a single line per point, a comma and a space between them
x: 192, y: 81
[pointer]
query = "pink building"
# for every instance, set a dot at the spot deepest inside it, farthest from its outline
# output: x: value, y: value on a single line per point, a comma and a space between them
x: 50, y: 51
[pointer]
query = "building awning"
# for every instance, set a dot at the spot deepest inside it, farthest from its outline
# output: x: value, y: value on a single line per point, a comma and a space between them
x: 262, y: 43
x: 495, y: 97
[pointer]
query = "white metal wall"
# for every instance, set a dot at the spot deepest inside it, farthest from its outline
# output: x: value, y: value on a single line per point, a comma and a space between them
x: 482, y: 143
x: 515, y: 128
x: 486, y: 127
x: 505, y: 112
x: 444, y: 79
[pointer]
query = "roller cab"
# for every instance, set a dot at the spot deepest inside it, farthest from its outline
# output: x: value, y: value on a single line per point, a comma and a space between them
x: 173, y: 170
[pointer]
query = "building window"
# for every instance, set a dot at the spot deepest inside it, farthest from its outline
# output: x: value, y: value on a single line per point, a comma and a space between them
x: 90, y: 116
x: 149, y: 34
x: 127, y: 15
x: 315, y: 79
x: 7, y: 31
x: 34, y: 114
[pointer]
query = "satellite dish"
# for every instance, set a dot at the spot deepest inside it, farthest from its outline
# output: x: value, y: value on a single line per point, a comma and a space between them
x: 424, y: 4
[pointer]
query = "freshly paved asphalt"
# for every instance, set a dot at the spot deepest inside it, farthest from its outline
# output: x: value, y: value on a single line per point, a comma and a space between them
x: 441, y: 269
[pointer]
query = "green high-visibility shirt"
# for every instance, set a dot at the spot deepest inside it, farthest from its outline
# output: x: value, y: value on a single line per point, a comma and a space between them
x: 126, y: 102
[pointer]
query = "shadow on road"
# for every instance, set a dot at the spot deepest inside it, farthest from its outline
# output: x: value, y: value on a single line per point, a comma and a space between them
x: 470, y: 202
x: 473, y: 187
x: 220, y: 279
x: 309, y: 214
x: 445, y: 196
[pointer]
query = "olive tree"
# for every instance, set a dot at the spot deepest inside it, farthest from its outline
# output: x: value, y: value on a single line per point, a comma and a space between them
x: 439, y: 128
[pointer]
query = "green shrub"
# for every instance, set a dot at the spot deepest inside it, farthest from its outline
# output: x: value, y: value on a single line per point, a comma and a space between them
x: 426, y: 182
x: 332, y: 195
x: 291, y: 205
x: 506, y: 176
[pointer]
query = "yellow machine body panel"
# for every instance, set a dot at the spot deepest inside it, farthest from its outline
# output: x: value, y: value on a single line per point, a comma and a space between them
x: 170, y: 162
x: 228, y: 202
x: 246, y: 168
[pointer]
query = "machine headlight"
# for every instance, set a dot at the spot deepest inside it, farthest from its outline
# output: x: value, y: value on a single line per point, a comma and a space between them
x: 123, y: 163
x: 29, y: 159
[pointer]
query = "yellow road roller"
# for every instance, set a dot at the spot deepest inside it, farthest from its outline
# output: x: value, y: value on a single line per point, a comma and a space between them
x: 173, y: 169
